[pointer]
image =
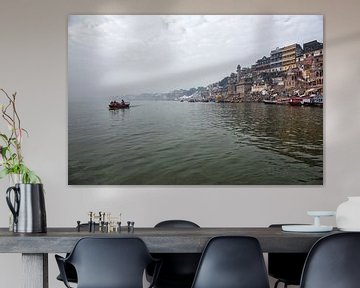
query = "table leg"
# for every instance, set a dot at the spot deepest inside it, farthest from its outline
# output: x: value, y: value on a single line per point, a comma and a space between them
x: 35, y: 270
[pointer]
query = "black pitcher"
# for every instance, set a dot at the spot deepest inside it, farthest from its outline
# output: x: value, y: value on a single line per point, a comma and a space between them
x: 28, y: 207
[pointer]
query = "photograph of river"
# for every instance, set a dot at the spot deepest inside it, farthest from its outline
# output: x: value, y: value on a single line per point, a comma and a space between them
x: 195, y: 100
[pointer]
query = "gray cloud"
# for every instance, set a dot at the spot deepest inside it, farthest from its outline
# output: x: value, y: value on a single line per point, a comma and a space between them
x: 131, y: 54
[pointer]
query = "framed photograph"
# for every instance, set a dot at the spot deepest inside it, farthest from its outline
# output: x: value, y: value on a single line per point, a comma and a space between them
x: 195, y: 99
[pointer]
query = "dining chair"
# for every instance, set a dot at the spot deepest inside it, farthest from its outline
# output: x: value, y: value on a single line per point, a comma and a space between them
x: 285, y: 267
x: 232, y: 262
x: 108, y: 263
x: 178, y: 269
x: 333, y: 262
x: 69, y: 269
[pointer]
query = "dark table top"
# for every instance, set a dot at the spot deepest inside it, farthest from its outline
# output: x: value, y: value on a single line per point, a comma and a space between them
x: 158, y: 240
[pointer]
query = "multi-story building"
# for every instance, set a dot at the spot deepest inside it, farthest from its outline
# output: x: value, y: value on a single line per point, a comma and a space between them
x: 289, y: 55
x: 294, y: 80
x: 301, y: 71
x: 276, y: 60
x: 311, y: 62
x: 312, y: 46
x: 262, y: 65
x: 259, y: 87
x: 311, y: 49
x: 231, y: 88
x: 316, y: 79
x: 243, y: 89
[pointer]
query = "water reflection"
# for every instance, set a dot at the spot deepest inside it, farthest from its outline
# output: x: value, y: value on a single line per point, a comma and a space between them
x: 296, y: 132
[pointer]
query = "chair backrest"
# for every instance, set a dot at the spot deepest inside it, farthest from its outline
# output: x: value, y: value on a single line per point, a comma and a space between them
x: 232, y: 262
x: 110, y: 262
x: 176, y: 224
x: 178, y: 269
x: 333, y: 262
x: 286, y: 267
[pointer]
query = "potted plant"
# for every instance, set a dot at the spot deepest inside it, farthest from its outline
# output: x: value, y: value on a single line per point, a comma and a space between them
x: 26, y: 198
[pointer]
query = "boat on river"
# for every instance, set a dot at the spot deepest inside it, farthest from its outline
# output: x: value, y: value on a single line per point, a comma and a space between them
x: 296, y: 101
x: 115, y: 105
x: 313, y: 100
x: 318, y: 100
x: 269, y: 102
x: 282, y: 101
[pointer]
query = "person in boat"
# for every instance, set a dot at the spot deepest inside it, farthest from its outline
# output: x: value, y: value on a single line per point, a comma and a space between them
x: 122, y: 102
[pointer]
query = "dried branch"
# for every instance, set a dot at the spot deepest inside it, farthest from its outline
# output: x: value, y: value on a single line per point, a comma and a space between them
x: 10, y: 153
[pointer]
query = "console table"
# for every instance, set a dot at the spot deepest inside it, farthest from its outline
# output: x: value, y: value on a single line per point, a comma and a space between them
x: 35, y: 247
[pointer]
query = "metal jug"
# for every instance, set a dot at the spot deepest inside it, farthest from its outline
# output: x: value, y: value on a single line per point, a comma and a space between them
x: 28, y: 208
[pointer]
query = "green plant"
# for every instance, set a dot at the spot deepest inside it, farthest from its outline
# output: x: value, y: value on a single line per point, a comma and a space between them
x: 12, y: 161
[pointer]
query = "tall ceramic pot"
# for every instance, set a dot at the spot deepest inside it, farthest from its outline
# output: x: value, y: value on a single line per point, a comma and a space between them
x: 27, y: 204
x: 348, y: 214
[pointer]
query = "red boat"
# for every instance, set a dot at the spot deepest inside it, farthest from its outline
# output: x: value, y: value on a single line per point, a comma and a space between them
x: 114, y: 105
x: 295, y: 101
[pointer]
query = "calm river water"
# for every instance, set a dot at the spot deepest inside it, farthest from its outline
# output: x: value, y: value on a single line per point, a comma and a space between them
x: 172, y: 143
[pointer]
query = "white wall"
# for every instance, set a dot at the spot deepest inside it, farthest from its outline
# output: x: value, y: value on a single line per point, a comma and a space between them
x: 33, y: 62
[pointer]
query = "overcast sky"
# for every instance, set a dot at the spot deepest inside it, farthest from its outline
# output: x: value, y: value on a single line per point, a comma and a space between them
x: 114, y: 55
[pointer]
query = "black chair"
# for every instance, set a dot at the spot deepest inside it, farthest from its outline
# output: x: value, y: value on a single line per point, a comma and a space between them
x: 108, y: 262
x: 232, y: 262
x: 286, y: 267
x: 333, y: 262
x: 69, y: 269
x: 178, y: 269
